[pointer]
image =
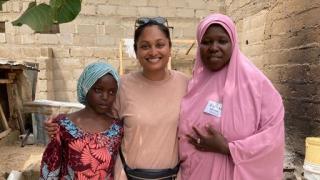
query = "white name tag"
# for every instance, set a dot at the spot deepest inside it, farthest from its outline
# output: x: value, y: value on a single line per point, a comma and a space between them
x: 213, y: 108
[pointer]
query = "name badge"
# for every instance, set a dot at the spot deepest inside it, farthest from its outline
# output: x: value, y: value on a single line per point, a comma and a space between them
x: 213, y: 108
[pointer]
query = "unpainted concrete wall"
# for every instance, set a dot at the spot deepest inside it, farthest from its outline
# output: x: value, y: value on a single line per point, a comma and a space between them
x: 94, y: 34
x: 283, y: 39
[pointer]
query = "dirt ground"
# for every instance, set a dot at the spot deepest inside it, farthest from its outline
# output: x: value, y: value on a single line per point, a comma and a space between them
x: 15, y: 157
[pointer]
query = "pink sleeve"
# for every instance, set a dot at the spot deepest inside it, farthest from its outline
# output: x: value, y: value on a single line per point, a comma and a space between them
x: 261, y: 155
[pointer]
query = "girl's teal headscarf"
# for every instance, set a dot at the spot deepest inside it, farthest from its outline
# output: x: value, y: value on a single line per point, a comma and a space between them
x: 90, y: 75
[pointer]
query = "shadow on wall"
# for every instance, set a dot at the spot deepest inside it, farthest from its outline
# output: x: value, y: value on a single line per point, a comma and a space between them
x: 59, y: 82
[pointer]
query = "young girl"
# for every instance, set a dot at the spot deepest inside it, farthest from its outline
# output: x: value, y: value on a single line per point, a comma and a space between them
x: 88, y: 140
x: 149, y: 104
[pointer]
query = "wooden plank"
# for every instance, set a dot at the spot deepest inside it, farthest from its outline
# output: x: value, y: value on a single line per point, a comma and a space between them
x: 5, y: 133
x: 183, y: 41
x: 19, y: 107
x: 21, y: 121
x: 190, y: 48
x: 3, y: 119
x: 12, y: 67
x: 12, y: 102
x: 6, y: 81
x: 12, y: 75
x: 120, y: 58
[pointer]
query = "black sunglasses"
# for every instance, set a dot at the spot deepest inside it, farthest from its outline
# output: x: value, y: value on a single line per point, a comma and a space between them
x: 144, y: 20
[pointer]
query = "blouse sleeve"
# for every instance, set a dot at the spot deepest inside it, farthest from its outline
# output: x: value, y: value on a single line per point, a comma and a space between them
x: 52, y: 159
x: 261, y: 155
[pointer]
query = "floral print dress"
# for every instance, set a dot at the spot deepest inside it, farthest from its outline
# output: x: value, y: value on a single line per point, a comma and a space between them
x: 75, y: 154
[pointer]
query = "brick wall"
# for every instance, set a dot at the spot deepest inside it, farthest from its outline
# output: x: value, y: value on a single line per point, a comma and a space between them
x: 283, y: 39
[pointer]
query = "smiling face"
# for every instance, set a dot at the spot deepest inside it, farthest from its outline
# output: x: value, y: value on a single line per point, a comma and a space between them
x: 215, y: 48
x: 102, y: 94
x: 153, y: 49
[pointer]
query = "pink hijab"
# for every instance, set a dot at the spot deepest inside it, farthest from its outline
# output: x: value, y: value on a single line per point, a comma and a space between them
x: 251, y: 120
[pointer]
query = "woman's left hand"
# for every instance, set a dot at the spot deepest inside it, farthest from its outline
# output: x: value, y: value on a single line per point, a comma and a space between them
x: 212, y: 142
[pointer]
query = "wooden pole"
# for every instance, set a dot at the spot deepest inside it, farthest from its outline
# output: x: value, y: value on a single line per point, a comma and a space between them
x: 120, y: 58
x: 6, y: 81
x: 11, y: 99
x: 3, y: 119
x: 183, y: 41
x: 190, y: 48
x: 5, y: 133
x: 170, y: 63
x: 15, y: 104
x: 19, y: 105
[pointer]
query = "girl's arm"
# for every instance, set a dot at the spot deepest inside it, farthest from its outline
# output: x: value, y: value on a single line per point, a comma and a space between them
x: 52, y: 158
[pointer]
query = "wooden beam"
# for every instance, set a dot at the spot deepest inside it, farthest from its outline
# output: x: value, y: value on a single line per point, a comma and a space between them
x: 6, y: 81
x: 120, y: 58
x: 183, y: 41
x: 190, y: 48
x: 12, y: 75
x: 169, y: 63
x: 20, y: 121
x: 3, y: 119
x: 4, y: 133
x: 19, y: 107
x: 12, y: 102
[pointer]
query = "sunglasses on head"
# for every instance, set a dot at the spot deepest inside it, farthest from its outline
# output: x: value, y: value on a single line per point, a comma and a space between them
x: 144, y: 20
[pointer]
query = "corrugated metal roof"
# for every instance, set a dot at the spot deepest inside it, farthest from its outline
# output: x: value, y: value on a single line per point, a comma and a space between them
x: 9, y: 64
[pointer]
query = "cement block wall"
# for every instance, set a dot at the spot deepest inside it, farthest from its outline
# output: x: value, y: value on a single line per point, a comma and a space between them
x: 283, y: 39
x: 94, y: 34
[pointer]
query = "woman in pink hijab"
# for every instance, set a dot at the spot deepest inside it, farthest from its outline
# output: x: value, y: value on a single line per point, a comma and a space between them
x: 231, y: 120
